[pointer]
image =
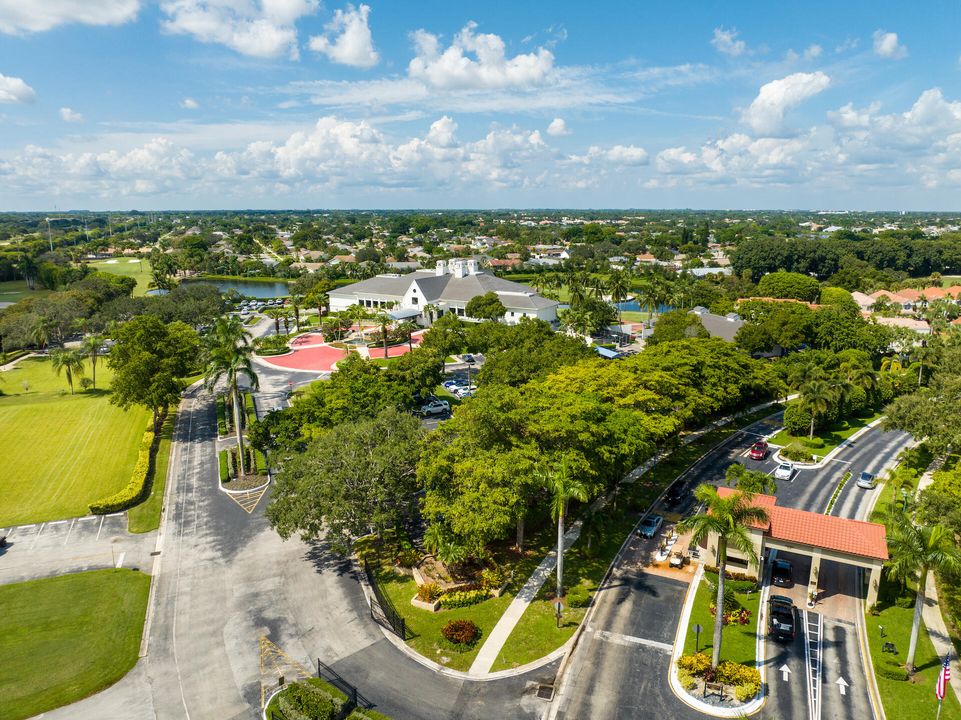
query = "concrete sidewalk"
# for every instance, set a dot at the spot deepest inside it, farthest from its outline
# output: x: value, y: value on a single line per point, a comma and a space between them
x: 931, y: 612
x: 505, y: 626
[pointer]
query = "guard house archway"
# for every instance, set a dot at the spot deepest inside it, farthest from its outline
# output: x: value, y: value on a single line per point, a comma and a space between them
x: 820, y: 537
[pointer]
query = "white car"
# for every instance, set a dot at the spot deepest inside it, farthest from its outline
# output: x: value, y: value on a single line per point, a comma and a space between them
x: 435, y: 407
x: 463, y: 391
x: 785, y: 471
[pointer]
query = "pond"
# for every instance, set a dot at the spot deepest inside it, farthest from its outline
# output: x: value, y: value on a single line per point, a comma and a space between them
x: 248, y: 288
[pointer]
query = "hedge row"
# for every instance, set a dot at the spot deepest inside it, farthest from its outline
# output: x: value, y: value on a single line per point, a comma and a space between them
x: 136, y: 488
x: 224, y: 467
x: 463, y: 598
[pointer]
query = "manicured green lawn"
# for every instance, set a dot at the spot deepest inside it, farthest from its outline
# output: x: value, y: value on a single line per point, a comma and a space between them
x: 738, y: 642
x: 830, y: 437
x: 61, y: 451
x: 13, y: 291
x: 273, y: 711
x: 129, y: 267
x: 905, y: 699
x: 67, y: 637
x: 426, y: 625
x: 146, y: 516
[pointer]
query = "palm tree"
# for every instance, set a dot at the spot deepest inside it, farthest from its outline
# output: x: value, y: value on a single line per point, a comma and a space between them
x: 275, y: 314
x: 384, y: 320
x: 93, y: 345
x: 891, y: 364
x: 40, y: 332
x: 430, y: 311
x: 229, y: 357
x: 618, y: 285
x: 915, y: 551
x: 295, y: 302
x: 564, y: 487
x: 29, y: 269
x: 407, y: 329
x: 923, y: 356
x: 728, y: 518
x: 576, y: 292
x: 70, y: 362
x: 816, y: 396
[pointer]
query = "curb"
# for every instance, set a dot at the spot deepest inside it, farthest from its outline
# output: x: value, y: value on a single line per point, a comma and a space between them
x: 457, y: 674
x: 830, y: 456
x: 760, y: 645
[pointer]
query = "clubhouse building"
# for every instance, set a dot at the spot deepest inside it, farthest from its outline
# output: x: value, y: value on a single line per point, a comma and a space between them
x: 425, y: 295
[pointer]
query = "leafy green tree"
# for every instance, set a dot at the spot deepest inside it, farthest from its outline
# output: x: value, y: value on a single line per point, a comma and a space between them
x: 923, y: 356
x: 563, y: 484
x: 485, y: 307
x: 149, y: 358
x: 728, y: 519
x: 789, y: 285
x: 677, y: 325
x: 915, y: 551
x: 228, y: 358
x: 359, y: 478
x: 68, y: 362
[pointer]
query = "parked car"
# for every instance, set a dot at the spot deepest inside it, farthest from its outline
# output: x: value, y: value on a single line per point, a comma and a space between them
x: 785, y: 471
x: 867, y: 481
x: 781, y: 618
x: 469, y: 359
x: 674, y: 493
x: 450, y: 384
x: 758, y: 450
x: 463, y: 391
x: 435, y: 407
x: 782, y: 574
x: 650, y: 526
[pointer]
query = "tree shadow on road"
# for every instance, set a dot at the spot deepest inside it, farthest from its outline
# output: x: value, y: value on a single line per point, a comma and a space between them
x: 326, y: 560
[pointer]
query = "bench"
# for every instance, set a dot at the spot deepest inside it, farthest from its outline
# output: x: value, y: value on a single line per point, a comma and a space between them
x: 715, y: 689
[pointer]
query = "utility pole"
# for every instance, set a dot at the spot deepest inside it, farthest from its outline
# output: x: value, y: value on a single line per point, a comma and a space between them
x: 49, y: 236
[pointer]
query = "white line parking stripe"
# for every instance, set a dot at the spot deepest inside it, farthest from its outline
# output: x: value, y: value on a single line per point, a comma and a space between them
x: 101, y: 527
x: 120, y: 559
x: 69, y: 530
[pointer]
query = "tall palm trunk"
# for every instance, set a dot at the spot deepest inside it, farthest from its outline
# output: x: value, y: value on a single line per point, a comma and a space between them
x: 916, y: 623
x: 719, y: 601
x: 70, y: 380
x: 93, y: 368
x: 560, y: 554
x: 240, y: 435
x: 811, y: 434
x: 520, y: 534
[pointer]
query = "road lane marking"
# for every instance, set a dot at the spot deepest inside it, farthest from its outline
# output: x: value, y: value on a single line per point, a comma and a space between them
x: 812, y: 654
x: 120, y: 559
x: 621, y: 639
x: 842, y: 685
x: 785, y: 673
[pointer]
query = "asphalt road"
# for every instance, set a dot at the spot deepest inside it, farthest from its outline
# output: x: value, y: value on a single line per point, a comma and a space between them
x: 226, y: 579
x: 612, y: 676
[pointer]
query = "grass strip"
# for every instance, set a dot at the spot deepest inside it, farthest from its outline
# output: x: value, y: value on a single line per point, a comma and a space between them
x: 66, y: 637
x: 146, y: 516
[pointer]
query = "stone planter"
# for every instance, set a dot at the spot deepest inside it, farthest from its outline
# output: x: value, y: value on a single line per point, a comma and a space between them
x: 497, y: 592
x: 430, y: 607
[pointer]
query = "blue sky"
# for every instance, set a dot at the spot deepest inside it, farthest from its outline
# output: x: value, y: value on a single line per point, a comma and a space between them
x: 160, y: 104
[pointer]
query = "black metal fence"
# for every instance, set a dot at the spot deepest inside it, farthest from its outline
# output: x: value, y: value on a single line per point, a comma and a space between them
x: 354, y: 698
x: 382, y: 610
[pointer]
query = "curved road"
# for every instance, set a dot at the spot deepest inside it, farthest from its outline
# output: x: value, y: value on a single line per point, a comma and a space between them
x: 226, y: 579
x: 620, y: 667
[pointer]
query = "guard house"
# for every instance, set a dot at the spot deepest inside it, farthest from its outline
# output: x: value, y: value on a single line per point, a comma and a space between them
x: 820, y: 537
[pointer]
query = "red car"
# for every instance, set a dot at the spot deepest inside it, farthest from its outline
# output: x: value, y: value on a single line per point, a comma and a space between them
x: 758, y: 450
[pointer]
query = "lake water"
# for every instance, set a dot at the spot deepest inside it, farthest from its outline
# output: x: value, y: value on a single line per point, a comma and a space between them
x: 247, y: 288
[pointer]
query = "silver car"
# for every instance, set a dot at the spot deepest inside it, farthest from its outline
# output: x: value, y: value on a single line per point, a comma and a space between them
x: 867, y: 481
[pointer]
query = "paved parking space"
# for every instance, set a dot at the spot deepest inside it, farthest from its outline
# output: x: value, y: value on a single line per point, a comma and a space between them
x: 61, y: 546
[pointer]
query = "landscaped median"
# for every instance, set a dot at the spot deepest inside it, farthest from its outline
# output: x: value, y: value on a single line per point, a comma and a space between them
x: 800, y: 447
x: 537, y: 633
x: 314, y: 699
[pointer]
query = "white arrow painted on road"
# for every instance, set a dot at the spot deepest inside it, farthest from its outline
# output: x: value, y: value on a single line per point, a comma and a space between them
x: 785, y: 673
x: 842, y: 685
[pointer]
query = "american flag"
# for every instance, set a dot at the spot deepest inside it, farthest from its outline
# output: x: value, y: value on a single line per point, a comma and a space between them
x: 943, y: 678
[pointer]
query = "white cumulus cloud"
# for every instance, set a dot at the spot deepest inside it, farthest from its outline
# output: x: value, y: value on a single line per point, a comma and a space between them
x: 347, y: 39
x: 15, y: 90
x: 726, y: 42
x: 17, y: 16
x: 188, y: 103
x: 557, y: 128
x: 886, y: 45
x: 476, y: 61
x: 69, y: 115
x: 766, y: 113
x: 258, y: 28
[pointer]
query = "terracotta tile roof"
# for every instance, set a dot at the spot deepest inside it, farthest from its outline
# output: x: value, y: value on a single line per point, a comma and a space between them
x: 910, y: 294
x: 813, y: 306
x: 854, y: 537
x: 896, y: 297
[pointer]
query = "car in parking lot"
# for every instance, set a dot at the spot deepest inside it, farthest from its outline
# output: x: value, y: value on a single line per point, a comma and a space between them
x: 785, y: 471
x: 781, y: 618
x: 867, y: 481
x: 758, y: 450
x: 782, y: 574
x: 650, y: 526
x: 435, y: 407
x: 674, y: 493
x: 463, y: 391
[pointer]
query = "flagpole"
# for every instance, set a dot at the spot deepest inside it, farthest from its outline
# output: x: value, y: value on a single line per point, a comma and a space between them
x: 938, y: 716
